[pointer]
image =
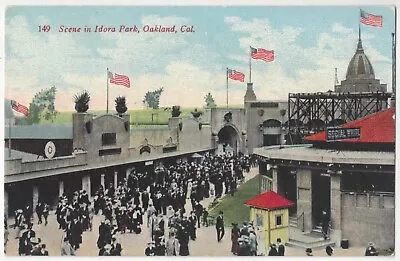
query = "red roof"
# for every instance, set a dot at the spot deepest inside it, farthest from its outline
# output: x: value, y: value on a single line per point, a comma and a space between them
x: 375, y: 128
x: 269, y: 200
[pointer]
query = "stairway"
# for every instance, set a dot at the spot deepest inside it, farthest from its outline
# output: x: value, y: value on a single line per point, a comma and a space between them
x: 293, y: 221
x: 313, y: 240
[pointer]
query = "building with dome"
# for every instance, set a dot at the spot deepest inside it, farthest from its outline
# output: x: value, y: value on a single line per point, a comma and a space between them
x: 357, y: 96
x: 360, y: 75
x: 344, y: 163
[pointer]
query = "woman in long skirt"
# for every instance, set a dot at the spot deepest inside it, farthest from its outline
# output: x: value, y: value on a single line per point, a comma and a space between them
x: 234, y: 238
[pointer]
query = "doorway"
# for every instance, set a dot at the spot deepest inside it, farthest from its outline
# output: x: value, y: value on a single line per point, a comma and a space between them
x: 271, y: 139
x: 287, y: 186
x: 321, y: 196
x: 229, y: 138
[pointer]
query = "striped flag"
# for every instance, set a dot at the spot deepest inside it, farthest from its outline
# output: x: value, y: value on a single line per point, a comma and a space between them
x: 19, y: 108
x: 119, y: 79
x: 235, y: 75
x: 262, y: 54
x: 370, y: 19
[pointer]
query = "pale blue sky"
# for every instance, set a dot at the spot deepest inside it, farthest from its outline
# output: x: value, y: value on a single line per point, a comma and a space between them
x: 309, y: 42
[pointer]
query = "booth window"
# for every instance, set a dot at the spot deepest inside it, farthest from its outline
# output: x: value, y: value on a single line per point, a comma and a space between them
x: 109, y: 139
x: 278, y: 220
x: 259, y: 220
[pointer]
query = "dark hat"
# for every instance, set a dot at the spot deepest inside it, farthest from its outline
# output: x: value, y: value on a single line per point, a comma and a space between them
x: 329, y: 249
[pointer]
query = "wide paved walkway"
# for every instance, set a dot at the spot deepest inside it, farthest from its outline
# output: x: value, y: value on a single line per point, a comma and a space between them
x: 134, y: 245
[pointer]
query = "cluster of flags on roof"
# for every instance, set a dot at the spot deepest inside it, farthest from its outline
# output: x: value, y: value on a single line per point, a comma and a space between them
x: 255, y: 53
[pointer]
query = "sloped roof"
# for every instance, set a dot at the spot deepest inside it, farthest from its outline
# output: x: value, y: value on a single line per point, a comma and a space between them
x: 375, y: 128
x: 269, y: 200
x: 40, y: 131
x: 15, y: 154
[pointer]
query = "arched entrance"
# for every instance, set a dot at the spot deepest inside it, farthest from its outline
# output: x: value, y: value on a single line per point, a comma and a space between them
x: 271, y: 132
x: 228, y: 139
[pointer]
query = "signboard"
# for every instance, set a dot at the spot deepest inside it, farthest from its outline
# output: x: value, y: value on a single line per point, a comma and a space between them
x: 147, y: 163
x: 333, y: 134
x: 264, y: 105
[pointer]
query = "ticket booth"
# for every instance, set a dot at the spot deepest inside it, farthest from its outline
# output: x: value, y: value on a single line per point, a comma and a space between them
x: 269, y: 212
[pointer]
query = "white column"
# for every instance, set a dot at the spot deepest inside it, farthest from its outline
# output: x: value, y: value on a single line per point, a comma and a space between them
x: 35, y: 197
x: 274, y: 178
x: 102, y: 181
x: 128, y: 171
x: 5, y: 201
x: 60, y: 188
x: 115, y: 179
x: 336, y: 208
x: 86, y: 184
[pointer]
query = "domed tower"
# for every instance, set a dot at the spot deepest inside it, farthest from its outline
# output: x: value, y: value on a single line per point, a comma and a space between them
x: 360, y: 76
x: 360, y: 67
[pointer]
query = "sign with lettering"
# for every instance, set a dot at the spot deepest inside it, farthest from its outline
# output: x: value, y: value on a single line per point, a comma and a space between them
x: 264, y: 105
x: 333, y: 134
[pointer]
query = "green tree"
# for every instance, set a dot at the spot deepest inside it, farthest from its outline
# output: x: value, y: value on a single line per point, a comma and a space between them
x: 210, y: 102
x: 42, y: 105
x: 152, y: 99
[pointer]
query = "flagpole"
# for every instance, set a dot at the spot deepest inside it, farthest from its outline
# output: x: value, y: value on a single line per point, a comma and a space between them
x: 9, y: 138
x: 250, y: 65
x: 107, y: 90
x: 336, y: 78
x: 227, y: 100
x: 393, y: 98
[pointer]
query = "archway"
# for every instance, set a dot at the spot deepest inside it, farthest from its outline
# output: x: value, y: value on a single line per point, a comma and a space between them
x: 228, y: 140
x: 272, y: 132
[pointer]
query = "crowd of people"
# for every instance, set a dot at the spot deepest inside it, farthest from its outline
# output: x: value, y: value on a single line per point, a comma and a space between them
x: 162, y: 198
x: 244, y: 240
x: 157, y: 201
x: 28, y: 242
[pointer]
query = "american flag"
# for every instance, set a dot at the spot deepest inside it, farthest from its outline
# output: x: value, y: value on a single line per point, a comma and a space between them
x: 119, y: 79
x: 19, y: 108
x: 235, y: 75
x: 370, y: 19
x: 262, y: 54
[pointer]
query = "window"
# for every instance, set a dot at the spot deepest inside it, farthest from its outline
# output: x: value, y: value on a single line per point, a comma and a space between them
x: 259, y: 220
x: 278, y: 220
x: 109, y: 139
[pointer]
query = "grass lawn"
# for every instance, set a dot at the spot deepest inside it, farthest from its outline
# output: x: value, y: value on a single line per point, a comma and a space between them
x: 233, y: 207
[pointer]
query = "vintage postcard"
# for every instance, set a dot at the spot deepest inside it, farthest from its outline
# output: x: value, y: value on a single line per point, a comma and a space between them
x: 199, y: 130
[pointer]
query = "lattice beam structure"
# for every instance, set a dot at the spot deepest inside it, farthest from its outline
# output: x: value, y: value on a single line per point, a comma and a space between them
x: 309, y: 113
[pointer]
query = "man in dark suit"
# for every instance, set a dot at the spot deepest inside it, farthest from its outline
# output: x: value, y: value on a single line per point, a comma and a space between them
x: 43, y: 250
x: 145, y: 200
x: 220, y: 226
x: 281, y: 247
x: 74, y: 233
x: 29, y: 233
